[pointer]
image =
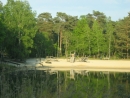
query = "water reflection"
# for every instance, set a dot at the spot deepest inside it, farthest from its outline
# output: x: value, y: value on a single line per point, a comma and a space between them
x: 52, y: 83
x: 94, y: 84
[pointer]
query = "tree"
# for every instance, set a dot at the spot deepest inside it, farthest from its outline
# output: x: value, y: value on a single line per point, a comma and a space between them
x: 2, y: 32
x: 81, y: 37
x: 65, y: 25
x: 90, y: 19
x: 123, y: 37
x: 98, y: 39
x: 109, y: 36
x: 100, y: 17
x: 70, y: 24
x: 21, y: 24
x: 61, y: 16
x: 45, y: 22
x: 43, y: 46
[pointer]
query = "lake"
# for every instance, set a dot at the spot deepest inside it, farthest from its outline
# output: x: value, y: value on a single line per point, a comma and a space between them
x: 51, y: 83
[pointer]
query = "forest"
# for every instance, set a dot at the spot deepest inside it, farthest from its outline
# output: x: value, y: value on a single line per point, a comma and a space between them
x: 24, y: 34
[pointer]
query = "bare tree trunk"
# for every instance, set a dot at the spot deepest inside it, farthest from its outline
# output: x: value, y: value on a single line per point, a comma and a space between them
x: 109, y: 47
x: 66, y: 52
x: 127, y: 53
x: 60, y: 43
x: 58, y: 46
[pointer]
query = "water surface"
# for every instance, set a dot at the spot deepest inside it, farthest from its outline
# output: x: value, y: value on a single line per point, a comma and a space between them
x: 64, y: 84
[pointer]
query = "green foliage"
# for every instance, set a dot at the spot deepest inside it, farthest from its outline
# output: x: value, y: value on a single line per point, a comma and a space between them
x: 43, y: 46
x: 21, y: 28
x: 45, y: 23
x: 2, y: 26
x: 123, y: 37
x: 81, y: 37
x: 98, y: 41
x: 92, y: 34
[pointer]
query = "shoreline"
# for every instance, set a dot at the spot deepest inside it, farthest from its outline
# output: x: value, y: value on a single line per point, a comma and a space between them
x: 90, y: 65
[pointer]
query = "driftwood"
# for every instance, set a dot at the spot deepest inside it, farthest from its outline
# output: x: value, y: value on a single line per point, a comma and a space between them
x: 84, y: 59
x: 106, y: 58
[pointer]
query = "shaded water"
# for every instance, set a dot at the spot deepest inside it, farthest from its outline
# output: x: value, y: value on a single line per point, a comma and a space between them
x: 64, y: 84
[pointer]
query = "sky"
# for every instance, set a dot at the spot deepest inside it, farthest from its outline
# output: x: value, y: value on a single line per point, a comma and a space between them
x: 116, y: 9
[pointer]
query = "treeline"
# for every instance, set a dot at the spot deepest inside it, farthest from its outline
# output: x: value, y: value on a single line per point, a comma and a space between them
x: 23, y: 35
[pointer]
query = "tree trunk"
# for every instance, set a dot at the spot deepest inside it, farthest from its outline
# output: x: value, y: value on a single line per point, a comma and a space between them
x: 60, y: 43
x: 127, y: 53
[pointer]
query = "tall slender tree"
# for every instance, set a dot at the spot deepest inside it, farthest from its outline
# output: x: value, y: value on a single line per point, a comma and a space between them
x: 98, y: 39
x: 109, y: 37
x: 81, y: 37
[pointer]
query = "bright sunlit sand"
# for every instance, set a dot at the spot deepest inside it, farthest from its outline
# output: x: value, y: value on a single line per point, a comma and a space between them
x: 90, y: 65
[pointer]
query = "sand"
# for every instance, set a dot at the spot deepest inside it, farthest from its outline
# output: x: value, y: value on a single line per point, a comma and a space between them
x: 90, y: 65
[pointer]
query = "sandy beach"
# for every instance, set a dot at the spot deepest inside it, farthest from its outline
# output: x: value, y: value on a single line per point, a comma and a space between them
x: 90, y: 65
